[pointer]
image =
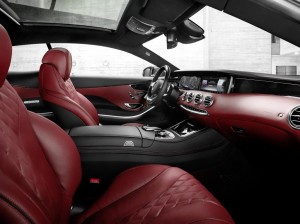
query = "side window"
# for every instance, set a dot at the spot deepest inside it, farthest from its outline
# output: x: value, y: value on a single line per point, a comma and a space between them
x: 27, y: 57
x: 91, y: 60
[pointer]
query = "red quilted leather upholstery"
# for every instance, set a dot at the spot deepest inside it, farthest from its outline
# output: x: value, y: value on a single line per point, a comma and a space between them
x: 57, y: 88
x: 40, y: 171
x: 29, y: 181
x: 156, y: 194
x: 61, y: 59
x: 5, y: 54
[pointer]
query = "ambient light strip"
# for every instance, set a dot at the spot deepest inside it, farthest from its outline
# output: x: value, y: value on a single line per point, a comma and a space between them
x: 135, y: 117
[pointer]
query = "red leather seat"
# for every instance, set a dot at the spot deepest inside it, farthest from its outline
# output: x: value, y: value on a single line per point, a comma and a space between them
x: 70, y: 107
x: 40, y: 171
x: 56, y: 88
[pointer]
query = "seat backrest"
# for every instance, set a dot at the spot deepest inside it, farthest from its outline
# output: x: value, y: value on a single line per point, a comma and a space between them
x: 71, y: 108
x: 39, y: 163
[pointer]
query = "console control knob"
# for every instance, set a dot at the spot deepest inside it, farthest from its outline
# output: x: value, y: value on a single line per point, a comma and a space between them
x: 148, y: 128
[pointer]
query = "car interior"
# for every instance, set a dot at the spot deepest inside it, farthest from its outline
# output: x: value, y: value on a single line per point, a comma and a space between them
x: 169, y: 146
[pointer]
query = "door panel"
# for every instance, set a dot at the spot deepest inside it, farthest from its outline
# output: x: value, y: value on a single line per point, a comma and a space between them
x: 113, y: 98
x: 26, y: 85
x: 122, y: 96
x: 117, y: 100
x: 90, y: 82
x: 27, y: 93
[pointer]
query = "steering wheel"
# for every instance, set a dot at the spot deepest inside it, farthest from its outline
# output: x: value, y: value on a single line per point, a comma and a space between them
x: 158, y: 86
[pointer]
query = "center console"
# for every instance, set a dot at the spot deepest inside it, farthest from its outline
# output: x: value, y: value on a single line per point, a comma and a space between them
x: 145, y: 144
x: 109, y: 149
x: 128, y: 137
x: 106, y: 136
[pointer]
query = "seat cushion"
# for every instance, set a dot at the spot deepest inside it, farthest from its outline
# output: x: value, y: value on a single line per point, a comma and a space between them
x: 156, y: 194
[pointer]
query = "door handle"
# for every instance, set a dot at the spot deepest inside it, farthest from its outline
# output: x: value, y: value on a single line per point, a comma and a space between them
x: 136, y: 94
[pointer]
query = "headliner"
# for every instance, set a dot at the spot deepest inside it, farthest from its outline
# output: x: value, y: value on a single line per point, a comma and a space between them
x: 264, y: 14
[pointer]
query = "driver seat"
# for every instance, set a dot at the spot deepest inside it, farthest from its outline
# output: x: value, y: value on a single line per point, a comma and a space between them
x: 70, y: 107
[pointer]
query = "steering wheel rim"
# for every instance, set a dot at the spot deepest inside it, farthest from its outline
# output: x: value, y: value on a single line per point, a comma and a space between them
x: 158, y: 87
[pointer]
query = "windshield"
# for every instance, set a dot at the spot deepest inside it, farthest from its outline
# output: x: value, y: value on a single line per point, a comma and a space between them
x: 231, y: 44
x: 92, y: 13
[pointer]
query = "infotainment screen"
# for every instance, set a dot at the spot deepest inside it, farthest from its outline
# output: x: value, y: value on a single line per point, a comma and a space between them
x: 214, y: 84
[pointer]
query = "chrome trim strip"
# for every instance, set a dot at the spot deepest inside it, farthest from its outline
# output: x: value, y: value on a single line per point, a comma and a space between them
x: 230, y: 86
x: 132, y: 105
x: 9, y: 16
x: 46, y: 114
x: 31, y: 102
x: 128, y: 118
x: 195, y: 112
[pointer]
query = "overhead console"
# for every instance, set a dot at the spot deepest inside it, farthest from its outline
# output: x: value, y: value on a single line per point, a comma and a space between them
x: 156, y: 17
x: 144, y: 27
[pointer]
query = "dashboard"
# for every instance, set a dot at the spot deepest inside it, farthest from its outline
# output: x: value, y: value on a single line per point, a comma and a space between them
x: 243, y: 106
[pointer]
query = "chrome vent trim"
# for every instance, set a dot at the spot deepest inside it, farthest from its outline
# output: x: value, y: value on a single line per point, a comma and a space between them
x: 184, y: 96
x: 198, y: 99
x: 194, y: 110
x: 208, y: 101
x: 190, y: 97
x: 294, y: 118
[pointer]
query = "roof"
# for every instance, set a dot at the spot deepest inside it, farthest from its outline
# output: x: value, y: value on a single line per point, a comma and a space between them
x: 70, y: 21
x: 91, y: 13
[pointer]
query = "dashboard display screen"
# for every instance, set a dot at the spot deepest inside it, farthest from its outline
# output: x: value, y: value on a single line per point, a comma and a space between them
x: 214, y: 84
x: 189, y: 82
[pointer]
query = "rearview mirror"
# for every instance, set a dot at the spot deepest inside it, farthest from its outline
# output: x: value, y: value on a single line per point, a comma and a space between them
x: 186, y: 32
x: 172, y: 39
x: 189, y: 32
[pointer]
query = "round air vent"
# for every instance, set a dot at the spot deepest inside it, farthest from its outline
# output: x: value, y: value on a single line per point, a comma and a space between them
x: 208, y: 101
x: 190, y: 97
x: 198, y: 99
x: 184, y: 96
x: 294, y: 118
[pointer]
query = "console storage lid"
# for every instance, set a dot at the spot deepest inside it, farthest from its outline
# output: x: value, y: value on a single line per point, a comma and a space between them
x: 106, y: 136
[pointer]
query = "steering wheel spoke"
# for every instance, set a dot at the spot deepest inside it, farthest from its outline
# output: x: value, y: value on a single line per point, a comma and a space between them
x: 158, y: 86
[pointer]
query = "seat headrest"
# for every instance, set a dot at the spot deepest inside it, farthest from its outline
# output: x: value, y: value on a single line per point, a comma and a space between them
x: 61, y: 59
x: 5, y: 54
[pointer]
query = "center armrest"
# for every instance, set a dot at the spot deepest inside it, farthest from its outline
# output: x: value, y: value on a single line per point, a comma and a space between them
x: 106, y: 136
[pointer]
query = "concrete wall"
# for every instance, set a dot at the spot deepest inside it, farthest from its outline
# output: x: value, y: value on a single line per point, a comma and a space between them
x: 285, y: 61
x: 234, y: 44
